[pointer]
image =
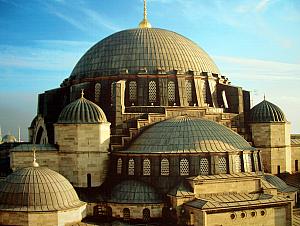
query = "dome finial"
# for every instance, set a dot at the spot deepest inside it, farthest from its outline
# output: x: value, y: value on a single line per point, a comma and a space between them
x: 34, y: 163
x: 145, y: 23
x: 264, y: 96
x: 82, y: 93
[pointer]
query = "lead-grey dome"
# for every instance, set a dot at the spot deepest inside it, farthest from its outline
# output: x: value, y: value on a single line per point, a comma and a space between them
x: 9, y: 139
x: 185, y: 134
x: 132, y: 191
x: 37, y: 189
x: 265, y: 111
x: 82, y: 111
x: 147, y: 48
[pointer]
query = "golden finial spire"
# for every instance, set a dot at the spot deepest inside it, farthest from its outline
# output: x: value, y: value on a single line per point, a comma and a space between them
x: 82, y: 93
x: 145, y: 23
x: 34, y: 163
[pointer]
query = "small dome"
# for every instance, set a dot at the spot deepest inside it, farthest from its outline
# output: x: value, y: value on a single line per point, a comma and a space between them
x: 37, y: 189
x: 82, y: 111
x: 9, y: 139
x: 185, y: 134
x: 265, y: 111
x: 132, y: 191
x: 279, y: 183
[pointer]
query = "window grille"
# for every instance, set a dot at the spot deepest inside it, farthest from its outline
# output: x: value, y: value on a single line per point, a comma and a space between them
x: 164, y: 167
x: 126, y: 214
x: 184, y: 167
x: 188, y: 87
x: 146, y: 167
x: 204, y: 166
x: 97, y: 92
x: 238, y: 167
x: 131, y: 167
x: 132, y: 90
x: 171, y: 91
x: 204, y: 92
x: 146, y: 215
x: 119, y: 166
x: 222, y: 165
x: 152, y: 91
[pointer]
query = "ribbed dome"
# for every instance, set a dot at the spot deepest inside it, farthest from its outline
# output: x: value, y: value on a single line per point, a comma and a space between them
x: 9, y: 139
x: 82, y: 111
x: 266, y: 112
x: 132, y: 191
x: 37, y: 189
x: 143, y: 48
x: 184, y: 134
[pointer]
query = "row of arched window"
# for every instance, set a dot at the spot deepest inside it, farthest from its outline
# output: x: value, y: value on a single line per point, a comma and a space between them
x: 152, y: 91
x: 184, y: 166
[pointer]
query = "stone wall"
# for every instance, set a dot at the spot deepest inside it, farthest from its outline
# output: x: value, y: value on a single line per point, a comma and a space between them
x: 295, y: 155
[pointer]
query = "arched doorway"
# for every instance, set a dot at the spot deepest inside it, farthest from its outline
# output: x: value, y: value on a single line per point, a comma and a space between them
x: 146, y: 215
x: 89, y: 180
x: 126, y: 214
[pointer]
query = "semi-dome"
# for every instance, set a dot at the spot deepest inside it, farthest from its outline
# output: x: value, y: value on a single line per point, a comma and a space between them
x: 185, y: 134
x: 37, y: 189
x: 132, y: 191
x: 265, y: 111
x: 9, y: 139
x: 82, y: 111
x: 146, y: 49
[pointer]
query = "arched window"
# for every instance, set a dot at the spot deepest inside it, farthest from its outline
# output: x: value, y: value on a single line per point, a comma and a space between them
x: 89, y: 180
x: 132, y: 91
x: 204, y: 166
x: 188, y: 87
x: 152, y: 91
x: 249, y: 162
x: 97, y: 92
x: 112, y: 91
x: 146, y: 167
x: 146, y: 215
x: 204, y: 92
x: 119, y: 166
x: 131, y: 167
x: 171, y: 91
x: 164, y: 167
x: 126, y: 214
x: 222, y: 165
x: 238, y: 167
x: 184, y: 167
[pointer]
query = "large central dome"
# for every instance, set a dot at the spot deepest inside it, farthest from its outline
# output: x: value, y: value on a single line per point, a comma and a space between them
x: 148, y: 50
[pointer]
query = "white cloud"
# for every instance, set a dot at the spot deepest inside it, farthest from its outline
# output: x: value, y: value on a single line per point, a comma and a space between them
x: 262, y: 5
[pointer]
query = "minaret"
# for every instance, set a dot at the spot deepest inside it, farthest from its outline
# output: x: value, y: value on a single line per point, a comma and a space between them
x: 0, y: 135
x: 145, y: 23
x: 19, y: 134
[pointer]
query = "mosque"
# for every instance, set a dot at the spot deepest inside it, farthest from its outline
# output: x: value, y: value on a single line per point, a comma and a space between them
x: 147, y: 129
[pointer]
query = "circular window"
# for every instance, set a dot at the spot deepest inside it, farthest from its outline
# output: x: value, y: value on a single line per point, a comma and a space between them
x: 262, y: 212
x: 243, y: 215
x: 253, y: 214
x: 232, y: 216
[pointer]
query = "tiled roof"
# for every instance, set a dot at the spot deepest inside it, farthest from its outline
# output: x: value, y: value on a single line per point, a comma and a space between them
x: 185, y: 134
x: 234, y: 200
x: 38, y: 147
x: 279, y: 183
x: 181, y: 189
x: 149, y: 49
x: 295, y: 141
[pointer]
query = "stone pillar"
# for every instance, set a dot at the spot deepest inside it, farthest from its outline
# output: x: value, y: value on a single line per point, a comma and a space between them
x: 119, y: 105
x: 212, y: 83
x: 163, y: 91
x: 199, y: 83
x: 182, y: 91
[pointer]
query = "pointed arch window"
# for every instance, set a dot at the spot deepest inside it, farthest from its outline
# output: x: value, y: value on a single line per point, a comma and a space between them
x: 204, y: 166
x: 119, y: 166
x: 97, y: 92
x: 132, y: 91
x: 146, y: 167
x: 131, y: 167
x: 188, y: 87
x: 152, y: 91
x: 184, y: 167
x: 171, y: 91
x: 222, y: 165
x: 164, y: 167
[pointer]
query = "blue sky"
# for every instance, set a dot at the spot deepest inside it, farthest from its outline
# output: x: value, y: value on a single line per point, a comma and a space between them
x: 256, y: 43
